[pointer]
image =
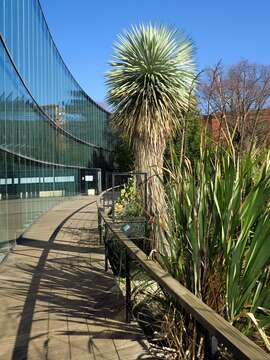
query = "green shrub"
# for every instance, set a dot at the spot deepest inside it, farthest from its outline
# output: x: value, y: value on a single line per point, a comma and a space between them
x: 129, y: 203
x: 218, y: 233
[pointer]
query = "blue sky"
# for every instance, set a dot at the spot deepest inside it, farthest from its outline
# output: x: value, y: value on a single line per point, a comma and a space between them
x: 84, y: 31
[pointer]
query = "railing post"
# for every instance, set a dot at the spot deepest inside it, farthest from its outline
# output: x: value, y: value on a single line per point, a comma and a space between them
x: 106, y: 248
x: 211, y: 347
x: 128, y: 288
x: 98, y: 181
x: 100, y: 226
x: 113, y: 185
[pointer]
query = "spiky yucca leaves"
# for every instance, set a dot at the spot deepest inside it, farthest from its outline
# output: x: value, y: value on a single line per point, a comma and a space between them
x: 149, y: 87
x: 150, y: 81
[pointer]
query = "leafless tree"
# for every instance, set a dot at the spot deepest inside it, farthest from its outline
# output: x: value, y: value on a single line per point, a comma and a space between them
x: 236, y: 99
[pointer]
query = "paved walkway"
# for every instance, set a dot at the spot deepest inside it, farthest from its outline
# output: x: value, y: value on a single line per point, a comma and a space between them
x: 56, y: 301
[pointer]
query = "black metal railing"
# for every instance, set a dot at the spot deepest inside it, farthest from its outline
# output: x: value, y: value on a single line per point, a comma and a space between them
x: 217, y: 331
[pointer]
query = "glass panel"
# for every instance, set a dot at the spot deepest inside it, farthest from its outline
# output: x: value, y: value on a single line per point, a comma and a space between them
x: 47, y: 123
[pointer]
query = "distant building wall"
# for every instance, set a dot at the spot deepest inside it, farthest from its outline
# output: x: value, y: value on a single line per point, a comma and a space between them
x: 261, y: 128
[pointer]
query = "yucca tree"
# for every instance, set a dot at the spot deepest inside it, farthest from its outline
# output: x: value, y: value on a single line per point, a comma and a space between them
x: 150, y: 86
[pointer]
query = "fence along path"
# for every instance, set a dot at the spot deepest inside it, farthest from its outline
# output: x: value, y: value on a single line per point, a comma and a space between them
x: 216, y: 329
x: 57, y: 302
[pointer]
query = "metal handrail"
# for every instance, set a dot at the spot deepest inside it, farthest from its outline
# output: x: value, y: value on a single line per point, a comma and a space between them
x: 218, y: 330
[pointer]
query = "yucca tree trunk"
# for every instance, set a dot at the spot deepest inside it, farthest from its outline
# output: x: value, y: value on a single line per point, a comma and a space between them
x: 149, y: 159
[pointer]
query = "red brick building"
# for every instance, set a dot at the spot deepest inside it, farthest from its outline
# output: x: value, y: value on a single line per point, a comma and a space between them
x: 258, y: 124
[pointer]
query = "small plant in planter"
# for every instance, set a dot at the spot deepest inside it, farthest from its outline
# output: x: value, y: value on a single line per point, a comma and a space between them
x: 128, y: 204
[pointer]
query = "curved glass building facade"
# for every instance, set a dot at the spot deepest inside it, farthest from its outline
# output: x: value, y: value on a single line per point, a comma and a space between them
x: 53, y: 136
